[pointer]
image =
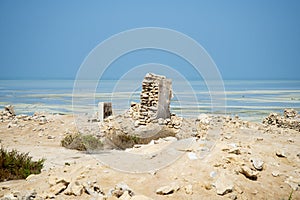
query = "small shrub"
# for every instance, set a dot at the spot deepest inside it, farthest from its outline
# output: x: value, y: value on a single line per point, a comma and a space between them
x: 81, y: 142
x: 15, y: 165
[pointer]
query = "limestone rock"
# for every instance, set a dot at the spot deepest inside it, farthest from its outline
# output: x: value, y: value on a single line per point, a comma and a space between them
x: 281, y: 153
x: 168, y: 189
x: 223, y: 185
x: 257, y: 163
x: 235, y: 150
x: 290, y: 119
x: 53, y: 180
x: 10, y: 109
x: 248, y: 173
x: 125, y: 196
x: 58, y: 188
x: 74, y: 188
x: 120, y: 188
x: 275, y: 173
x: 289, y: 113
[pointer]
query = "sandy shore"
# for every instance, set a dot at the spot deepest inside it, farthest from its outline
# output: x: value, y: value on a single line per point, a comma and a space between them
x: 248, y: 161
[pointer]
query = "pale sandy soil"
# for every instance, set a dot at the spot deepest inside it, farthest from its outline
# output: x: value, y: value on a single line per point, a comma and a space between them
x: 195, y: 178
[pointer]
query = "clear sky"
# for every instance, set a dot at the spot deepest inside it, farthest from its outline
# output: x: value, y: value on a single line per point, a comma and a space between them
x: 246, y: 39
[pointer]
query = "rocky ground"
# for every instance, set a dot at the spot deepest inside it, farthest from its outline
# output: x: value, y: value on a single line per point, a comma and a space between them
x: 228, y: 158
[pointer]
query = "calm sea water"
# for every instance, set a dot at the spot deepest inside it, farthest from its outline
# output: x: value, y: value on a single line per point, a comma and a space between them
x: 251, y: 100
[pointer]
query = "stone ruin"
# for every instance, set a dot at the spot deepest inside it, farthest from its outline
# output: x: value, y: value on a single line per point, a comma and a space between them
x: 104, y: 110
x: 150, y: 119
x: 290, y: 119
x: 155, y: 99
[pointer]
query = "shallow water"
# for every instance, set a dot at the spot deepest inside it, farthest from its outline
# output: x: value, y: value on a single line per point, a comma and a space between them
x: 250, y: 99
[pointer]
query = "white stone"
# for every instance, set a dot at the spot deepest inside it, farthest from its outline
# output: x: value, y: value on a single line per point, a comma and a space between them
x: 275, y: 173
x: 257, y: 163
x: 223, y: 185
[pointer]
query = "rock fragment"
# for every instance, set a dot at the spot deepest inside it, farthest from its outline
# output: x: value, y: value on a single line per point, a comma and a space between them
x: 248, y: 173
x: 119, y: 190
x: 223, y: 185
x: 58, y: 188
x: 281, y: 154
x: 257, y: 163
x: 168, y: 189
x: 125, y: 196
x: 74, y: 188
x: 10, y: 109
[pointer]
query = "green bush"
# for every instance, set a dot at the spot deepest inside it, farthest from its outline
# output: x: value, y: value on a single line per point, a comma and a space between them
x: 81, y: 142
x: 15, y: 165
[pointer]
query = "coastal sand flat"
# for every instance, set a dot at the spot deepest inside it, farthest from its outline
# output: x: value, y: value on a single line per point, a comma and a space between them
x: 196, y: 178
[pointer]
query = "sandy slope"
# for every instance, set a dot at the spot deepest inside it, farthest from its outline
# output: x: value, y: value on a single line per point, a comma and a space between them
x: 200, y: 178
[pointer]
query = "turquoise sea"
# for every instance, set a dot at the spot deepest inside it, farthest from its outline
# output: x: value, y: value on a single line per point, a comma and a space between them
x: 250, y: 99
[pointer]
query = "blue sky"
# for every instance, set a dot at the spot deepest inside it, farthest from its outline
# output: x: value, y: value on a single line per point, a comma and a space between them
x: 246, y: 39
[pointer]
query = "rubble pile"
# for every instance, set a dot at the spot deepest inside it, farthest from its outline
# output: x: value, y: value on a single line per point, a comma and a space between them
x: 290, y: 119
x: 9, y: 115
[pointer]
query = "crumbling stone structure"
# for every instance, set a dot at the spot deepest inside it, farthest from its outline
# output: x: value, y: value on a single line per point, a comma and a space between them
x: 155, y: 98
x: 104, y: 110
x: 290, y: 119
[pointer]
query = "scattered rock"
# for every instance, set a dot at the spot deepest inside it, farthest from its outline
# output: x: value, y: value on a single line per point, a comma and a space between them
x: 223, y: 185
x: 290, y: 119
x: 125, y: 196
x: 10, y: 109
x: 257, y: 163
x: 289, y: 113
x: 53, y: 180
x: 119, y: 190
x: 275, y: 173
x: 168, y: 189
x: 203, y: 118
x: 281, y: 154
x: 235, y: 150
x: 58, y: 188
x: 248, y: 173
x: 50, y: 137
x: 92, y: 188
x: 74, y: 188
x: 42, y: 120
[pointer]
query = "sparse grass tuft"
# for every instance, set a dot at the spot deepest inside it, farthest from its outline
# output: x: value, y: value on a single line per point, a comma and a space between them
x: 291, y: 195
x: 15, y: 165
x: 81, y: 142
